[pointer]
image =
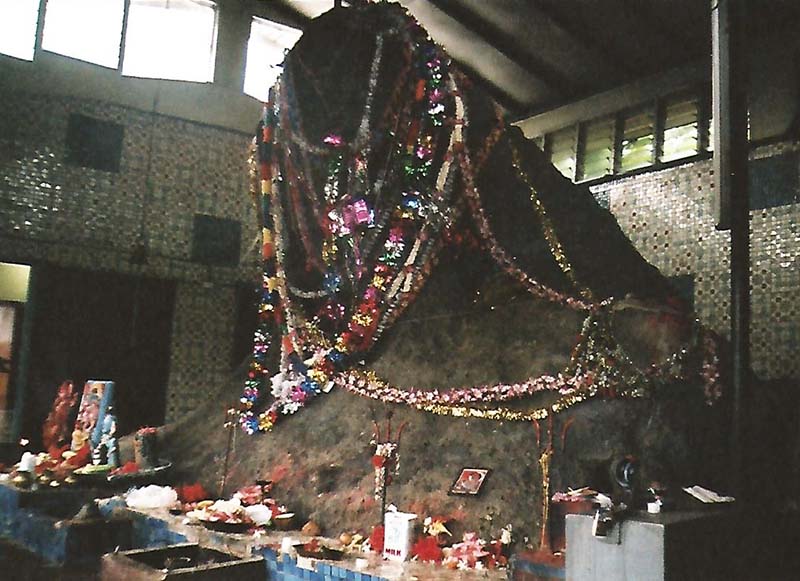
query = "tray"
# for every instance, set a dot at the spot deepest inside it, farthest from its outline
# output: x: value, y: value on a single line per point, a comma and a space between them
x: 322, y: 552
x: 226, y: 527
x: 143, y: 476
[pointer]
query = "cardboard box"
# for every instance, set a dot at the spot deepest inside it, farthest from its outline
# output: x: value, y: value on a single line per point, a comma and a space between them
x: 397, y: 535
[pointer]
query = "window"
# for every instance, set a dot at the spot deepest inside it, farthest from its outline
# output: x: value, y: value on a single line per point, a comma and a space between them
x: 596, y: 154
x: 637, y: 140
x: 626, y: 141
x: 265, y: 50
x: 89, y: 30
x: 680, y: 128
x: 171, y: 39
x: 94, y: 143
x: 561, y: 147
x: 18, y: 21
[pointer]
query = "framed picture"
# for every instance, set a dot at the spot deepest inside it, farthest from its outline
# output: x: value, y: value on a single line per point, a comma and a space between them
x: 470, y: 481
x: 97, y: 396
x: 9, y: 323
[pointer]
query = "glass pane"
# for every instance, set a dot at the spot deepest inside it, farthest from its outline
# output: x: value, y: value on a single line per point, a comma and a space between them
x: 597, y: 155
x: 562, y: 150
x: 710, y: 145
x: 680, y: 129
x: 265, y: 49
x: 18, y: 20
x: 171, y: 39
x: 89, y: 30
x: 637, y: 140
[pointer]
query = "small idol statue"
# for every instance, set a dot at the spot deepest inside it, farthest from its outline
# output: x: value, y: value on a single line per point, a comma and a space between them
x: 55, y: 432
x: 107, y: 449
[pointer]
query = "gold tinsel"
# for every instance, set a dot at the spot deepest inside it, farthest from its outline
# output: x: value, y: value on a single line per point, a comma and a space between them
x: 544, y: 467
x: 506, y: 414
x: 548, y: 230
x: 564, y: 402
x: 363, y: 319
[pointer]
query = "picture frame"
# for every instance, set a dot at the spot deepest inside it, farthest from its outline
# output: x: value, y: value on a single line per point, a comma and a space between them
x: 469, y: 481
x: 10, y: 319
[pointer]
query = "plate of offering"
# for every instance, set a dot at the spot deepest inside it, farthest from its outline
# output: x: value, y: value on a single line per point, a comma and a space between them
x: 131, y: 474
x: 225, y: 516
x: 315, y: 550
x: 93, y: 473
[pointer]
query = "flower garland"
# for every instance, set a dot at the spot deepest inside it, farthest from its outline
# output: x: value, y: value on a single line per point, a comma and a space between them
x: 599, y: 367
x: 374, y: 246
x: 410, y: 243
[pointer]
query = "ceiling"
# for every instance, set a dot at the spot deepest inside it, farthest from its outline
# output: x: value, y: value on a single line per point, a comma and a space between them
x: 535, y: 55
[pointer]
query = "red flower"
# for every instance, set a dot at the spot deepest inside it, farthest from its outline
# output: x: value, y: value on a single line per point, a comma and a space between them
x: 376, y: 539
x: 378, y: 461
x: 192, y: 493
x: 427, y: 549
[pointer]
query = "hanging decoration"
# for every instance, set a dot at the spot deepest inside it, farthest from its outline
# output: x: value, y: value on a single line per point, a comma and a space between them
x: 362, y: 216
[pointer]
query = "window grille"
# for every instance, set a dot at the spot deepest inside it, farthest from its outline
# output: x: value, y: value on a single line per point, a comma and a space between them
x: 681, y: 131
x: 638, y: 140
x: 561, y: 146
x: 596, y: 152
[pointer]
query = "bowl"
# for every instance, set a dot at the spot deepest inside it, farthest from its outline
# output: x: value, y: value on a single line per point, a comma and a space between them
x: 284, y: 522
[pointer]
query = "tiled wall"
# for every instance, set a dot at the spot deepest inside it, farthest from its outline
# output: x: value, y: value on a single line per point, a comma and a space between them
x: 73, y: 216
x: 668, y: 215
x: 200, y: 360
x: 171, y: 169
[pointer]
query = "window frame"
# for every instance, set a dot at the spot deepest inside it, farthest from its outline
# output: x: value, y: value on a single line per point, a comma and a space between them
x: 39, y: 41
x: 215, y: 4
x: 256, y: 19
x: 658, y: 106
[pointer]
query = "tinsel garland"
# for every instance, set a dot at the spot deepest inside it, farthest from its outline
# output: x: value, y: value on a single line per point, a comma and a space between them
x: 599, y: 367
x: 499, y: 254
x: 373, y: 259
x: 573, y: 390
x: 412, y: 233
x: 548, y: 230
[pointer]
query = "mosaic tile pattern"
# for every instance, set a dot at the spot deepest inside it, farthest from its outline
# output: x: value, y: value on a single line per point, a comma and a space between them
x: 73, y: 216
x: 202, y: 331
x: 668, y: 215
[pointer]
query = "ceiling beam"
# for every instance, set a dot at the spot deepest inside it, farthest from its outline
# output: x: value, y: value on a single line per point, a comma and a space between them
x: 509, y: 103
x: 584, y: 37
x: 501, y: 42
x: 285, y: 10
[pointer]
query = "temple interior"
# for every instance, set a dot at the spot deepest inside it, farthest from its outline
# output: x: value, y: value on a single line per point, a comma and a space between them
x: 385, y: 290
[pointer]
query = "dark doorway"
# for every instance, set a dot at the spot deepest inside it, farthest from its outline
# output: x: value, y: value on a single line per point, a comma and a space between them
x: 100, y: 325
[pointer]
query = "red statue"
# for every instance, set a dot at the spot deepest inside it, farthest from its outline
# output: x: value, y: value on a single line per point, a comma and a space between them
x: 55, y: 431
